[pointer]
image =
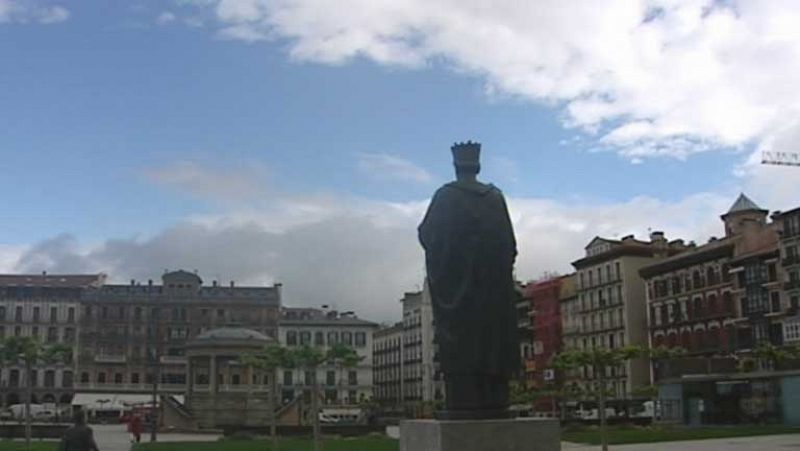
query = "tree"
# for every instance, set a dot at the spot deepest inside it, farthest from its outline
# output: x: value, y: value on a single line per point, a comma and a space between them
x: 29, y: 352
x: 309, y: 359
x: 270, y: 359
x: 600, y: 359
x: 771, y: 356
x: 342, y: 357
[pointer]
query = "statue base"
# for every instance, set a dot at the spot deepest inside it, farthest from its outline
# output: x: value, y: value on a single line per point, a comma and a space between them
x: 518, y: 434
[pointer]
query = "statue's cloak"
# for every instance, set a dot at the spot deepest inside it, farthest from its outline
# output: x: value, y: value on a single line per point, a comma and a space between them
x: 469, y: 254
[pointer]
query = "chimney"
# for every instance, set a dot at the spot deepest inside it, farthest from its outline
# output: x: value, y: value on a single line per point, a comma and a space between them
x: 232, y: 284
x: 133, y: 282
x: 44, y: 273
x: 149, y: 282
x: 656, y: 235
x: 627, y: 238
x: 214, y: 283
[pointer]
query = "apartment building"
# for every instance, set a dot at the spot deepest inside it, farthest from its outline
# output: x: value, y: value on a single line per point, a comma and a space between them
x: 612, y: 304
x: 322, y: 329
x: 46, y: 307
x: 387, y: 358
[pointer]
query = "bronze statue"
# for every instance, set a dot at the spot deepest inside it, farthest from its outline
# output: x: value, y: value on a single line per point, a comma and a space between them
x: 469, y: 254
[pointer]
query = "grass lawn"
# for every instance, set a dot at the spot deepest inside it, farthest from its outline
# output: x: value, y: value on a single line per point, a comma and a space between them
x: 626, y: 435
x: 7, y: 445
x: 344, y: 444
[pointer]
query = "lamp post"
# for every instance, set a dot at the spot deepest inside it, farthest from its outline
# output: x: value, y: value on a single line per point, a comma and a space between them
x: 155, y: 360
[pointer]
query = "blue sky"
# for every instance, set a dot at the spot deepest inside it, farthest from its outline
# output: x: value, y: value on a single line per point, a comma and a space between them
x: 102, y: 103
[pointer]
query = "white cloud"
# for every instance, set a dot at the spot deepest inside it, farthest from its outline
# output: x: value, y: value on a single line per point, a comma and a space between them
x: 165, y: 18
x: 26, y: 11
x: 219, y: 183
x: 387, y: 167
x: 650, y: 77
x: 359, y: 253
x: 9, y: 256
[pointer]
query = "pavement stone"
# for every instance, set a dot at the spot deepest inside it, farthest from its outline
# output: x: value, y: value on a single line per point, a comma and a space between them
x: 116, y: 438
x: 786, y: 442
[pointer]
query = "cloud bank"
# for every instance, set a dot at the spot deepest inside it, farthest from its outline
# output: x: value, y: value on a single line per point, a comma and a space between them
x: 646, y: 78
x: 31, y: 11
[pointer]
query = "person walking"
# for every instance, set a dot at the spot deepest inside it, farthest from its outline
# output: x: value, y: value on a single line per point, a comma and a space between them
x: 79, y: 437
x: 135, y: 427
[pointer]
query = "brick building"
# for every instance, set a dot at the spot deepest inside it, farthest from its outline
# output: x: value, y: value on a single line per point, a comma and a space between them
x: 544, y: 297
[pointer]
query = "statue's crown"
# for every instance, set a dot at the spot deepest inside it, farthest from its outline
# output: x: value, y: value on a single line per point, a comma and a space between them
x: 466, y: 154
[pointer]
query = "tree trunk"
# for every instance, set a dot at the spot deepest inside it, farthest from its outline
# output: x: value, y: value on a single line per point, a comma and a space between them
x: 156, y: 377
x: 602, y: 410
x: 273, y: 405
x: 315, y: 413
x: 28, y: 396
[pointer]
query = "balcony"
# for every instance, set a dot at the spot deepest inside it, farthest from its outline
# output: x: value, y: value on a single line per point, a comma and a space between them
x: 790, y: 260
x: 110, y: 358
x: 792, y: 284
x: 173, y: 359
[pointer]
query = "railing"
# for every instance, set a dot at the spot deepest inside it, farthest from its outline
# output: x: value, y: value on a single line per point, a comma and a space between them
x: 790, y: 260
x: 143, y: 387
x: 175, y: 359
x: 101, y: 358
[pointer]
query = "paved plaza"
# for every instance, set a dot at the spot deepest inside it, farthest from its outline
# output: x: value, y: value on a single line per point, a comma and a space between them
x: 116, y: 438
x: 761, y: 443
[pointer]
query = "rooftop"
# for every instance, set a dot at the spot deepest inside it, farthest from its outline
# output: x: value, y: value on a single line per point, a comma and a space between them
x: 742, y: 204
x: 232, y: 333
x: 314, y: 316
x: 52, y: 280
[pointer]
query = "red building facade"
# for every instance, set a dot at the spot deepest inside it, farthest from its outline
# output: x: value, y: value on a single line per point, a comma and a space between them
x: 545, y: 309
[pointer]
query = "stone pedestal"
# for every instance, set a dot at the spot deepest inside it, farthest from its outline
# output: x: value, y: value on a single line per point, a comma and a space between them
x: 519, y: 434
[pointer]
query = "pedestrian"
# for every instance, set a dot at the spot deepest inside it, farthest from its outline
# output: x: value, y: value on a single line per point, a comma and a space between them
x: 135, y: 428
x: 79, y: 437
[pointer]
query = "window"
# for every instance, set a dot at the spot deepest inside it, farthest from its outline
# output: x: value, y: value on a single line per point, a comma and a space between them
x: 619, y: 274
x: 101, y: 378
x: 220, y: 313
x: 52, y: 334
x: 287, y: 378
x: 309, y: 377
x: 18, y: 313
x: 361, y: 339
x: 118, y: 378
x: 13, y: 378
x: 34, y: 378
x: 66, y: 379
x: 347, y: 338
x: 88, y: 312
x: 235, y: 379
x: 319, y: 339
x: 36, y: 314
x: 291, y: 338
x: 121, y: 312
x: 333, y: 338
x: 2, y: 313
x: 134, y: 378
x: 775, y: 302
x: 71, y: 315
x: 305, y: 338
x: 53, y: 314
x: 137, y: 313
x: 352, y: 378
x: 17, y: 331
x: 104, y: 312
x: 2, y: 332
x: 49, y: 379
x: 69, y: 335
x: 35, y: 332
x: 330, y: 378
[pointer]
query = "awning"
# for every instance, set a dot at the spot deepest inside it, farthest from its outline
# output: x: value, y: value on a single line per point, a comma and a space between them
x: 114, y: 401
